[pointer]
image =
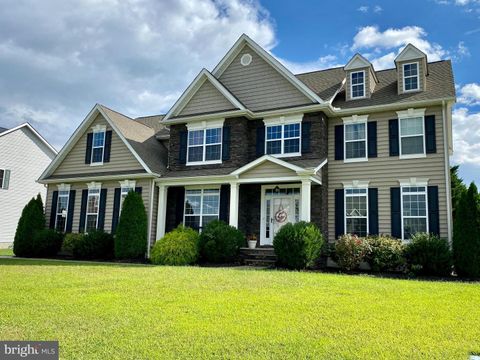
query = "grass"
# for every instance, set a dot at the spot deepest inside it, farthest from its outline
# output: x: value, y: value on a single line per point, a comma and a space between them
x: 6, y: 252
x: 102, y: 311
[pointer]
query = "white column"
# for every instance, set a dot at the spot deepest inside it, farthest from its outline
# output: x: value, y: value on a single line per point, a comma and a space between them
x: 306, y: 200
x: 234, y: 187
x: 162, y: 211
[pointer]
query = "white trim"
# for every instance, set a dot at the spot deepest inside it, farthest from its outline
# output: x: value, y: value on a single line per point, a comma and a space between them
x: 356, y: 184
x: 128, y: 183
x: 411, y: 76
x: 357, y: 62
x: 150, y: 218
x: 413, y: 181
x: 35, y: 132
x: 414, y: 217
x: 202, y: 194
x: 411, y: 114
x: 363, y: 84
x: 62, y: 188
x: 410, y: 52
x: 93, y: 186
x: 204, y: 146
x: 99, y: 177
x: 284, y: 119
x: 99, y: 129
x: 447, y: 175
x: 206, y: 124
x: 261, y: 160
x: 321, y: 165
x: 355, y: 120
x: 345, y: 195
x: 283, y: 139
x: 246, y: 59
x: 234, y: 203
x: 161, y: 210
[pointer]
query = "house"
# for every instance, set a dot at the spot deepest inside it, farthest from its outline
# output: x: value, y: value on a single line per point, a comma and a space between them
x: 353, y: 149
x: 24, y: 154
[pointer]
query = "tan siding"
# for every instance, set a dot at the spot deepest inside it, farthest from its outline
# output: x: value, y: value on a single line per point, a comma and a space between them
x: 384, y: 171
x: 259, y: 86
x: 267, y: 170
x: 207, y: 99
x: 421, y: 69
x: 121, y: 158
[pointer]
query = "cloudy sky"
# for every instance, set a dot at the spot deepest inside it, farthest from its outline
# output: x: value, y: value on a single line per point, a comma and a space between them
x: 58, y: 58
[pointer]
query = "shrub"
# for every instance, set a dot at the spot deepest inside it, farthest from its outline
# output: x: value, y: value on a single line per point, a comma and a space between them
x: 132, y: 230
x: 299, y: 245
x: 220, y: 242
x: 46, y: 243
x: 178, y: 247
x: 94, y: 245
x: 70, y: 241
x: 429, y: 254
x: 31, y: 221
x: 350, y: 251
x: 466, y: 238
x: 386, y: 253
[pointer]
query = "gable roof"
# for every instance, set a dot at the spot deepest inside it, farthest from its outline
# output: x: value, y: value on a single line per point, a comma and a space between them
x: 359, y: 62
x: 33, y: 131
x: 237, y: 47
x: 410, y: 52
x: 139, y: 139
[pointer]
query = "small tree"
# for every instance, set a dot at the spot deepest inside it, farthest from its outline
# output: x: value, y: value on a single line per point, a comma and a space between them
x: 31, y: 221
x: 466, y: 238
x: 458, y: 188
x: 131, y: 235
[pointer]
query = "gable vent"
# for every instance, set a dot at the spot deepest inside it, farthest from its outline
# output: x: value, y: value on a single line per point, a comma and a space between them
x: 246, y: 59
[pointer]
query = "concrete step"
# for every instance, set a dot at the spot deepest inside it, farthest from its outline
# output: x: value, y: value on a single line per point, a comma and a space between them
x: 258, y: 257
x: 259, y: 262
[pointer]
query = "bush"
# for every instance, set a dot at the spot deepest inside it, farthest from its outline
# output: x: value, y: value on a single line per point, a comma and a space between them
x: 429, y: 254
x: 70, y: 241
x: 132, y: 230
x: 31, y: 221
x: 94, y: 245
x: 178, y: 247
x: 350, y: 251
x: 299, y: 245
x: 46, y: 243
x: 220, y: 242
x: 386, y: 253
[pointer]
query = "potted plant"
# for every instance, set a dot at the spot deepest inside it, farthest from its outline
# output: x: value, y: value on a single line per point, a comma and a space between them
x: 252, y: 241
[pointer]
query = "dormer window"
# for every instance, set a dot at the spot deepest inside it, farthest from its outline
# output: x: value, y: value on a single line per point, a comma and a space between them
x: 357, y: 81
x: 98, y: 146
x: 410, y: 77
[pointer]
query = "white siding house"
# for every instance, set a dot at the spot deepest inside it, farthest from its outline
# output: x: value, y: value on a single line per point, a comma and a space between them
x: 24, y: 154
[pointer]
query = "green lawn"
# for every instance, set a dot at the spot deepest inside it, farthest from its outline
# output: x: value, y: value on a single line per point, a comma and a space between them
x: 146, y: 312
x: 4, y: 252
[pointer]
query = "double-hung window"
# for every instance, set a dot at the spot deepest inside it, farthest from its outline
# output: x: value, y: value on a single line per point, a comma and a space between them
x: 355, y: 141
x: 201, y: 207
x: 93, y: 205
x: 410, y: 77
x: 356, y: 211
x: 283, y: 139
x: 62, y: 210
x: 357, y: 84
x: 204, y: 146
x: 98, y: 147
x: 412, y: 136
x: 414, y: 210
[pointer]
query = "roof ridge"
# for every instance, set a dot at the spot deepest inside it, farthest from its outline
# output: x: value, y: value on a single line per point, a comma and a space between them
x: 147, y: 116
x: 128, y: 117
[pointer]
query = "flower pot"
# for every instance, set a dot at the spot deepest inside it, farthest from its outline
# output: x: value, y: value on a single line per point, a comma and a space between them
x: 252, y: 244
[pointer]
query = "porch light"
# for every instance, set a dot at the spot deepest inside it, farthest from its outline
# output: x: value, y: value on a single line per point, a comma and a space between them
x: 276, y: 189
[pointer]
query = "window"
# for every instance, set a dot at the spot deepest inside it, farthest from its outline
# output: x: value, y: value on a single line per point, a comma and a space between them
x: 93, y: 203
x: 62, y: 210
x: 283, y: 139
x: 356, y: 141
x: 98, y: 147
x: 2, y: 178
x: 204, y: 146
x: 414, y: 210
x: 410, y: 77
x: 412, y: 140
x: 357, y: 81
x: 356, y: 211
x: 201, y: 207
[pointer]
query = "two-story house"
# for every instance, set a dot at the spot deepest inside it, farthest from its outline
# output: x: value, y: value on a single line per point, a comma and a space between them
x: 352, y: 149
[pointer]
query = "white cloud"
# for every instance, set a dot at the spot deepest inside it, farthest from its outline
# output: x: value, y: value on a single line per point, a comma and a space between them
x: 363, y: 9
x: 466, y: 137
x: 377, y: 9
x: 323, y: 62
x: 469, y: 94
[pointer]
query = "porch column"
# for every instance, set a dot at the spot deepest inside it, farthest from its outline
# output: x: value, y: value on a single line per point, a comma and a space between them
x: 234, y: 187
x: 162, y: 211
x: 306, y: 200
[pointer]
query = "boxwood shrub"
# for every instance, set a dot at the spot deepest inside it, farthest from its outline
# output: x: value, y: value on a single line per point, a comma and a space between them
x: 178, y: 247
x: 69, y: 242
x: 299, y: 245
x: 427, y: 254
x: 385, y: 253
x: 46, y: 243
x: 94, y: 245
x: 350, y: 251
x: 220, y: 242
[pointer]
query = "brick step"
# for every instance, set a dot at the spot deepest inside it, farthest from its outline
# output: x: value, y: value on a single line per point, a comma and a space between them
x: 258, y: 257
x: 259, y: 262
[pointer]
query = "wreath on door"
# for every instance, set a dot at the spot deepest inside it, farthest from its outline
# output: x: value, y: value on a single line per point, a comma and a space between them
x: 281, y: 215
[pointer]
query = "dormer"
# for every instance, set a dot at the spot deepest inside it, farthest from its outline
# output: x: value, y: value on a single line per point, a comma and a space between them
x: 412, y: 70
x: 360, y: 78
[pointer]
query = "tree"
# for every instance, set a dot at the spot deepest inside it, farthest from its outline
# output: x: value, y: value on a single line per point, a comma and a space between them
x: 466, y: 234
x: 131, y: 235
x: 458, y: 188
x: 31, y: 221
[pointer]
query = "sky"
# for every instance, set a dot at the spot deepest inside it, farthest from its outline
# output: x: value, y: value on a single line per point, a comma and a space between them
x: 58, y: 58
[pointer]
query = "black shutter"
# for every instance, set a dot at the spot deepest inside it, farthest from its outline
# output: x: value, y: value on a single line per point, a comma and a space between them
x: 339, y: 213
x: 182, y: 152
x: 83, y: 211
x: 179, y: 206
x: 226, y: 143
x: 108, y: 146
x: 396, y: 212
x: 430, y: 140
x: 393, y: 137
x: 260, y: 141
x: 372, y: 139
x: 339, y: 142
x: 433, y: 218
x: 71, y: 208
x: 373, y: 211
x: 53, y: 210
x: 116, y: 208
x: 88, y: 151
x: 101, y: 209
x: 306, y: 128
x: 224, y: 203
x: 138, y: 190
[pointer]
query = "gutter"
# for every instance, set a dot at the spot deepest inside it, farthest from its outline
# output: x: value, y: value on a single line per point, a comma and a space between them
x: 447, y: 173
x: 150, y: 216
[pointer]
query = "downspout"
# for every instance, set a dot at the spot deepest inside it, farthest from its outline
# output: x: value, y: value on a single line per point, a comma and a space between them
x: 152, y: 193
x: 447, y: 172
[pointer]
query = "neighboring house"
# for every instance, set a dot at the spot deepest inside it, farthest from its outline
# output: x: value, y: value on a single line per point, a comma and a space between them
x: 24, y: 154
x: 350, y: 148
